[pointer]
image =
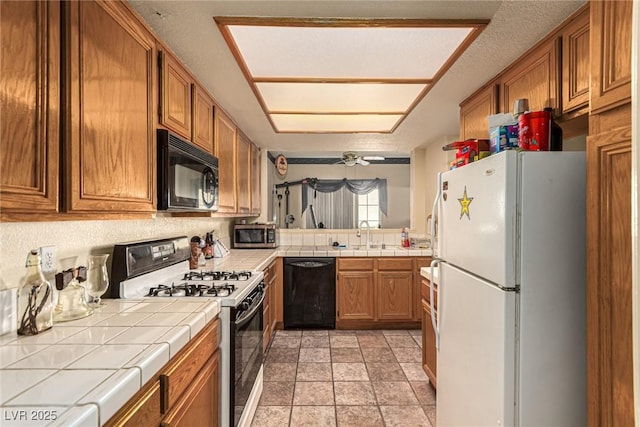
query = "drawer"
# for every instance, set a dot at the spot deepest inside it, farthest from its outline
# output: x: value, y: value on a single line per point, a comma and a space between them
x: 424, y: 291
x: 395, y: 264
x: 186, y: 365
x: 361, y: 264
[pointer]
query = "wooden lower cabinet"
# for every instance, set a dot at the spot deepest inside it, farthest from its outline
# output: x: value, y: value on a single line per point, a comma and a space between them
x: 186, y: 392
x: 195, y: 407
x: 355, y: 294
x: 395, y: 289
x: 429, y: 353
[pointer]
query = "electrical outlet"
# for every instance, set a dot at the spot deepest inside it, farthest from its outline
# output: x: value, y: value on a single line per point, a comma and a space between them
x: 48, y: 255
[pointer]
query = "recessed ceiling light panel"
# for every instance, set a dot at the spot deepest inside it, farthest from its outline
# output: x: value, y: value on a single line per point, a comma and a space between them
x: 334, y: 123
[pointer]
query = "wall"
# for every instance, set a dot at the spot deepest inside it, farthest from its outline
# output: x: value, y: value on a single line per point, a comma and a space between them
x: 81, y: 238
x: 398, y: 188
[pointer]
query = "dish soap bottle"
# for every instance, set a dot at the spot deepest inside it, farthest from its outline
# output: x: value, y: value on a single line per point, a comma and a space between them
x: 35, y: 299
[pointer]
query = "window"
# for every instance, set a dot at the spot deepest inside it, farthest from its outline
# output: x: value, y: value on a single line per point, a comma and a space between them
x: 369, y: 208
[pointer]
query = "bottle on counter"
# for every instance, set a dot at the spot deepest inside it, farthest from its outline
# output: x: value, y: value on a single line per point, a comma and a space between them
x: 35, y: 299
x: 404, y: 237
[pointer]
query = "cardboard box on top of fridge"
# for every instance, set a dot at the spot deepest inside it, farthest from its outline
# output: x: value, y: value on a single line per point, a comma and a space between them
x: 503, y: 132
x: 468, y: 151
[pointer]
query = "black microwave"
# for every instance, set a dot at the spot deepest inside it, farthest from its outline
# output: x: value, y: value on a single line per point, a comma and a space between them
x: 187, y: 175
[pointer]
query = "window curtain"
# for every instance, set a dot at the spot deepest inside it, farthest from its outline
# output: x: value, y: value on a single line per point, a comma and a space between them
x: 356, y: 186
x: 334, y: 210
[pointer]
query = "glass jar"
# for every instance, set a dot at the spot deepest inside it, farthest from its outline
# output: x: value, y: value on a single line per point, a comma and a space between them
x: 35, y: 299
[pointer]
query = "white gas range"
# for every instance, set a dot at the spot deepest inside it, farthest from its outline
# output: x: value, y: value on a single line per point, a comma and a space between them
x: 160, y: 268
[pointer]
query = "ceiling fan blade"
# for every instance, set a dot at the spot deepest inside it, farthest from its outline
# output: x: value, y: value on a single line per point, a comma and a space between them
x: 361, y: 161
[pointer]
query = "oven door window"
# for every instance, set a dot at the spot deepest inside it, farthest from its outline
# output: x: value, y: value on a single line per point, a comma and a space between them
x: 250, y: 236
x: 248, y: 359
x: 193, y: 185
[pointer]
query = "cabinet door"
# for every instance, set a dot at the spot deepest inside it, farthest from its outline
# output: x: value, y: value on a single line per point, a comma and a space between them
x: 273, y: 279
x: 143, y: 410
x: 110, y: 156
x: 610, y: 54
x: 29, y: 106
x: 199, y: 405
x: 429, y: 352
x: 255, y: 180
x: 575, y: 64
x: 395, y: 295
x: 243, y: 171
x: 609, y: 286
x: 417, y: 286
x: 175, y: 87
x: 474, y: 112
x: 535, y: 78
x: 355, y: 296
x: 202, y: 119
x: 225, y: 145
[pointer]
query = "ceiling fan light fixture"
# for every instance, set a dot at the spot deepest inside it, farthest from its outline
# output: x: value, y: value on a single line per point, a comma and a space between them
x: 350, y: 162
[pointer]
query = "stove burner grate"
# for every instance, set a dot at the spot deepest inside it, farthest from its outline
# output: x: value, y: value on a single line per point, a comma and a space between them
x: 217, y: 275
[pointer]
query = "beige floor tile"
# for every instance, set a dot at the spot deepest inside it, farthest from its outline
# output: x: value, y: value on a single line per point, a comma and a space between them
x: 373, y: 354
x: 315, y: 333
x: 313, y: 416
x: 271, y: 416
x: 388, y: 332
x: 372, y: 341
x: 344, y: 341
x: 314, y: 372
x: 281, y: 341
x: 415, y: 333
x: 365, y: 332
x: 283, y: 355
x: 414, y: 371
x: 359, y: 416
x: 402, y: 416
x: 394, y: 393
x: 279, y: 372
x: 346, y: 355
x: 341, y: 332
x: 315, y: 341
x: 430, y: 410
x: 385, y: 371
x: 313, y: 393
x: 354, y: 393
x: 350, y: 372
x: 277, y: 394
x: 424, y: 392
x: 314, y: 355
x: 408, y: 355
x: 288, y: 333
x: 401, y: 341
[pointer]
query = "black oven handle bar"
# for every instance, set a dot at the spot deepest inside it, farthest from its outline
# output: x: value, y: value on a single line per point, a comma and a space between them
x: 246, y: 317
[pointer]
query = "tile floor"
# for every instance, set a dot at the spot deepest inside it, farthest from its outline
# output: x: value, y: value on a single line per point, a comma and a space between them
x: 345, y: 378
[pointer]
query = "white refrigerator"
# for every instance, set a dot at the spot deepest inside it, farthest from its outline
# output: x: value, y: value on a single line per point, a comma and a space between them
x: 510, y: 326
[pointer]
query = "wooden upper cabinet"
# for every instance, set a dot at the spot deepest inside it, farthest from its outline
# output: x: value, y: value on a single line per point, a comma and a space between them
x: 225, y: 150
x: 535, y: 78
x: 255, y: 180
x: 175, y: 89
x: 202, y: 119
x: 575, y: 63
x: 243, y: 177
x: 111, y: 79
x: 474, y: 112
x: 29, y: 106
x: 610, y: 54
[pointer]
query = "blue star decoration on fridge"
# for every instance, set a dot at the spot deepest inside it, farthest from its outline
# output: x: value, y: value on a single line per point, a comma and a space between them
x: 465, y: 201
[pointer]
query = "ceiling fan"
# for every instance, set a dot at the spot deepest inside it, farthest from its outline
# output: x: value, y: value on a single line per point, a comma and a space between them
x: 350, y: 158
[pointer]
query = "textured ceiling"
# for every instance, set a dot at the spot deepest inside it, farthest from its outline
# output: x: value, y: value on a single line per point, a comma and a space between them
x: 188, y: 28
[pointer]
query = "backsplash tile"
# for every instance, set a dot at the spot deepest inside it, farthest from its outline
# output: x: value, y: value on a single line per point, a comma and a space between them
x: 8, y: 308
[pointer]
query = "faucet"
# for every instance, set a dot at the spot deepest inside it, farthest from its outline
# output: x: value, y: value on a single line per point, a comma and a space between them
x: 368, y: 245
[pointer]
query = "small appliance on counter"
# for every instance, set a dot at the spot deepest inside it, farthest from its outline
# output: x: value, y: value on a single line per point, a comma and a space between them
x: 255, y: 236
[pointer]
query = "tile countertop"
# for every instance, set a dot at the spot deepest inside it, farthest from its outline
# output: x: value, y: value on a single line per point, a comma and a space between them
x: 79, y: 373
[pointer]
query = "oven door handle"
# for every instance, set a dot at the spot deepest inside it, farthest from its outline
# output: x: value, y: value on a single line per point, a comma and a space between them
x: 246, y: 318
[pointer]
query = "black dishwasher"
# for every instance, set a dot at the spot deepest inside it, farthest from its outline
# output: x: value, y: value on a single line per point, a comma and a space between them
x: 309, y: 293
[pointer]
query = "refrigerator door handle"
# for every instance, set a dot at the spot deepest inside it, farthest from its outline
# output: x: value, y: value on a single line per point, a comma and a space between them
x: 434, y: 320
x: 434, y: 215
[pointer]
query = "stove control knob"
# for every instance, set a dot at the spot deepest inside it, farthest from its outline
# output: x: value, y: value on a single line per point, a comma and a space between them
x: 244, y: 306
